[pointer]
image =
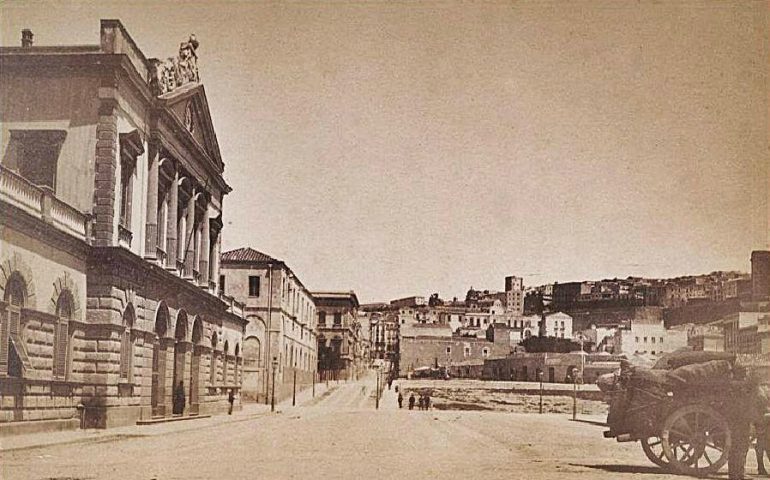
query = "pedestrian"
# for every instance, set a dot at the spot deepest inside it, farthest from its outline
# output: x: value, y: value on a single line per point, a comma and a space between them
x: 396, y: 388
x: 427, y: 401
x: 390, y: 382
x: 411, y: 401
x: 749, y: 407
x: 231, y: 401
x: 400, y: 400
x: 422, y: 401
x: 179, y: 400
x: 761, y: 429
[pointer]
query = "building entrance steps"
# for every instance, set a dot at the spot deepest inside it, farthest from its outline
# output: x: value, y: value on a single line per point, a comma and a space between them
x: 45, y: 439
x: 175, y: 418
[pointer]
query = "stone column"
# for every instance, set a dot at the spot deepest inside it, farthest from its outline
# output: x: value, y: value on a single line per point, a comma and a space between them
x: 151, y: 232
x: 204, y: 253
x: 215, y: 258
x: 171, y: 226
x: 189, y: 237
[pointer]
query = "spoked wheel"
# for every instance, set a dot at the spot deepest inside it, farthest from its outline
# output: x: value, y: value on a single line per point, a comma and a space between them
x: 653, y: 448
x: 696, y: 440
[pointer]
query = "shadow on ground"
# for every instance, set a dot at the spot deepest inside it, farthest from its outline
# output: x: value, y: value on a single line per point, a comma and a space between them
x: 624, y: 468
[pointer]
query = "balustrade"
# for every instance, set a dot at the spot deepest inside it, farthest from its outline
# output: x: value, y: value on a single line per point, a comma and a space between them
x: 41, y: 203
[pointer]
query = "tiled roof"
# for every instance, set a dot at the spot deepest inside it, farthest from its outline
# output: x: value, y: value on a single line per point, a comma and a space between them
x: 246, y: 254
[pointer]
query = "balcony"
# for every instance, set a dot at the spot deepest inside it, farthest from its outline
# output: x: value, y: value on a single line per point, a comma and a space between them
x: 124, y: 237
x: 161, y: 256
x: 40, y: 202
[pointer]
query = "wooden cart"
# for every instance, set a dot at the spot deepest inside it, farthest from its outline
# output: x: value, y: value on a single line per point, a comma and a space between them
x: 682, y: 428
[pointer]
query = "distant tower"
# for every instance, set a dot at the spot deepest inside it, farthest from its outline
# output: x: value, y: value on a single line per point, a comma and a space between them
x: 514, y: 295
x: 760, y: 274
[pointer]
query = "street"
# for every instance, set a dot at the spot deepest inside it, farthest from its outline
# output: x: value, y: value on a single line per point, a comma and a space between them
x: 339, y: 434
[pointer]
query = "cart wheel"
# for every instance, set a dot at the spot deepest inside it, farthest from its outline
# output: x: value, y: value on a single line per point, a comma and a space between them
x: 653, y: 448
x: 696, y: 440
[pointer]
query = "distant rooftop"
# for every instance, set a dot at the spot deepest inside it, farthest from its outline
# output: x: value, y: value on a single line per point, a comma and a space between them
x: 247, y: 254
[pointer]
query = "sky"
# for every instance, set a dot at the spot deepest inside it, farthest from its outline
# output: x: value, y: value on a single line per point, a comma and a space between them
x: 405, y: 148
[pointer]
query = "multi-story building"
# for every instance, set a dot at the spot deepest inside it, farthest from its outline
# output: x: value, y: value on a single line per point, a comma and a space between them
x: 760, y: 275
x: 111, y: 193
x: 282, y: 323
x: 384, y: 329
x: 651, y: 337
x: 514, y: 295
x: 340, y: 355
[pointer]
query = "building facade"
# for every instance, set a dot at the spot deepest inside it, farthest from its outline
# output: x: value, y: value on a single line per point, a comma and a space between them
x: 112, y: 195
x: 431, y: 345
x: 340, y: 353
x: 280, y: 338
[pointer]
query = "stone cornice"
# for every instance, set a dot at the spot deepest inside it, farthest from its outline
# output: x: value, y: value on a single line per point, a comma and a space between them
x: 151, y: 273
x: 18, y: 219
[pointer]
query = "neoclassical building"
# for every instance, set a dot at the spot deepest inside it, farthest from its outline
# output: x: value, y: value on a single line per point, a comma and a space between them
x: 280, y: 337
x: 111, y: 193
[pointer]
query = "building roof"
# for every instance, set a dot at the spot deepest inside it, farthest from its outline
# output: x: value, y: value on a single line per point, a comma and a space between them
x: 324, y: 298
x: 247, y: 255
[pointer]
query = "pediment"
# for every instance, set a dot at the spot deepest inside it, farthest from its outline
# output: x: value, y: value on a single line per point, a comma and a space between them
x: 189, y: 106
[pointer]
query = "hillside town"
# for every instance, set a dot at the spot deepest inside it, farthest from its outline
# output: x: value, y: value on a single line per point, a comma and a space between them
x: 120, y: 307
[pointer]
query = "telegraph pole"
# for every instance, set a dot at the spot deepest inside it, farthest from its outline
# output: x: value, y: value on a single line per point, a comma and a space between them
x: 272, y: 387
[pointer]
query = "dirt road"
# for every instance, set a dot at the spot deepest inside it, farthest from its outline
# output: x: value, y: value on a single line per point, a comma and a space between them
x: 340, y: 435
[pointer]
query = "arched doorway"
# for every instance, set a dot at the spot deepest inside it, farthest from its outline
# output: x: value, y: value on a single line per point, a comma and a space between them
x: 195, y: 365
x: 180, y: 352
x: 237, y: 353
x: 252, y: 351
x: 225, y: 373
x: 158, y: 391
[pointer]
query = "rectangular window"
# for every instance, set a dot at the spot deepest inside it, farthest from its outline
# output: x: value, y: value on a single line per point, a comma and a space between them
x: 221, y: 284
x: 338, y: 318
x: 653, y: 339
x: 253, y: 286
x: 322, y: 318
x: 126, y: 186
x: 645, y: 339
x: 448, y: 350
x: 34, y: 154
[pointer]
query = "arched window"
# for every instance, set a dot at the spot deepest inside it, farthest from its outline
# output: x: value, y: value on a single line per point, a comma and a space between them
x: 225, y: 352
x: 10, y: 326
x: 127, y: 345
x: 61, y: 334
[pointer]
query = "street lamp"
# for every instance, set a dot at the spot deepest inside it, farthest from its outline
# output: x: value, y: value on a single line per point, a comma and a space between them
x: 540, y: 377
x: 272, y: 386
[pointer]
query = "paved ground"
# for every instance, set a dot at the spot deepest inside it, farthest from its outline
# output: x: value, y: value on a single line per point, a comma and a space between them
x: 339, y: 434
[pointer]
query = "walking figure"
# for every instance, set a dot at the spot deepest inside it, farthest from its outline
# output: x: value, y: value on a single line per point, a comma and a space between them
x: 427, y: 401
x: 231, y: 400
x: 400, y: 401
x: 411, y: 401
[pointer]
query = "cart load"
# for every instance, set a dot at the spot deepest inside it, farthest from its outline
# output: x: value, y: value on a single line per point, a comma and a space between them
x: 677, y: 408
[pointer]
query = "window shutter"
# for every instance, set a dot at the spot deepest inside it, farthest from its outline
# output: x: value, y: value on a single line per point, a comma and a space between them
x: 4, y: 343
x: 125, y: 353
x: 60, y: 362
